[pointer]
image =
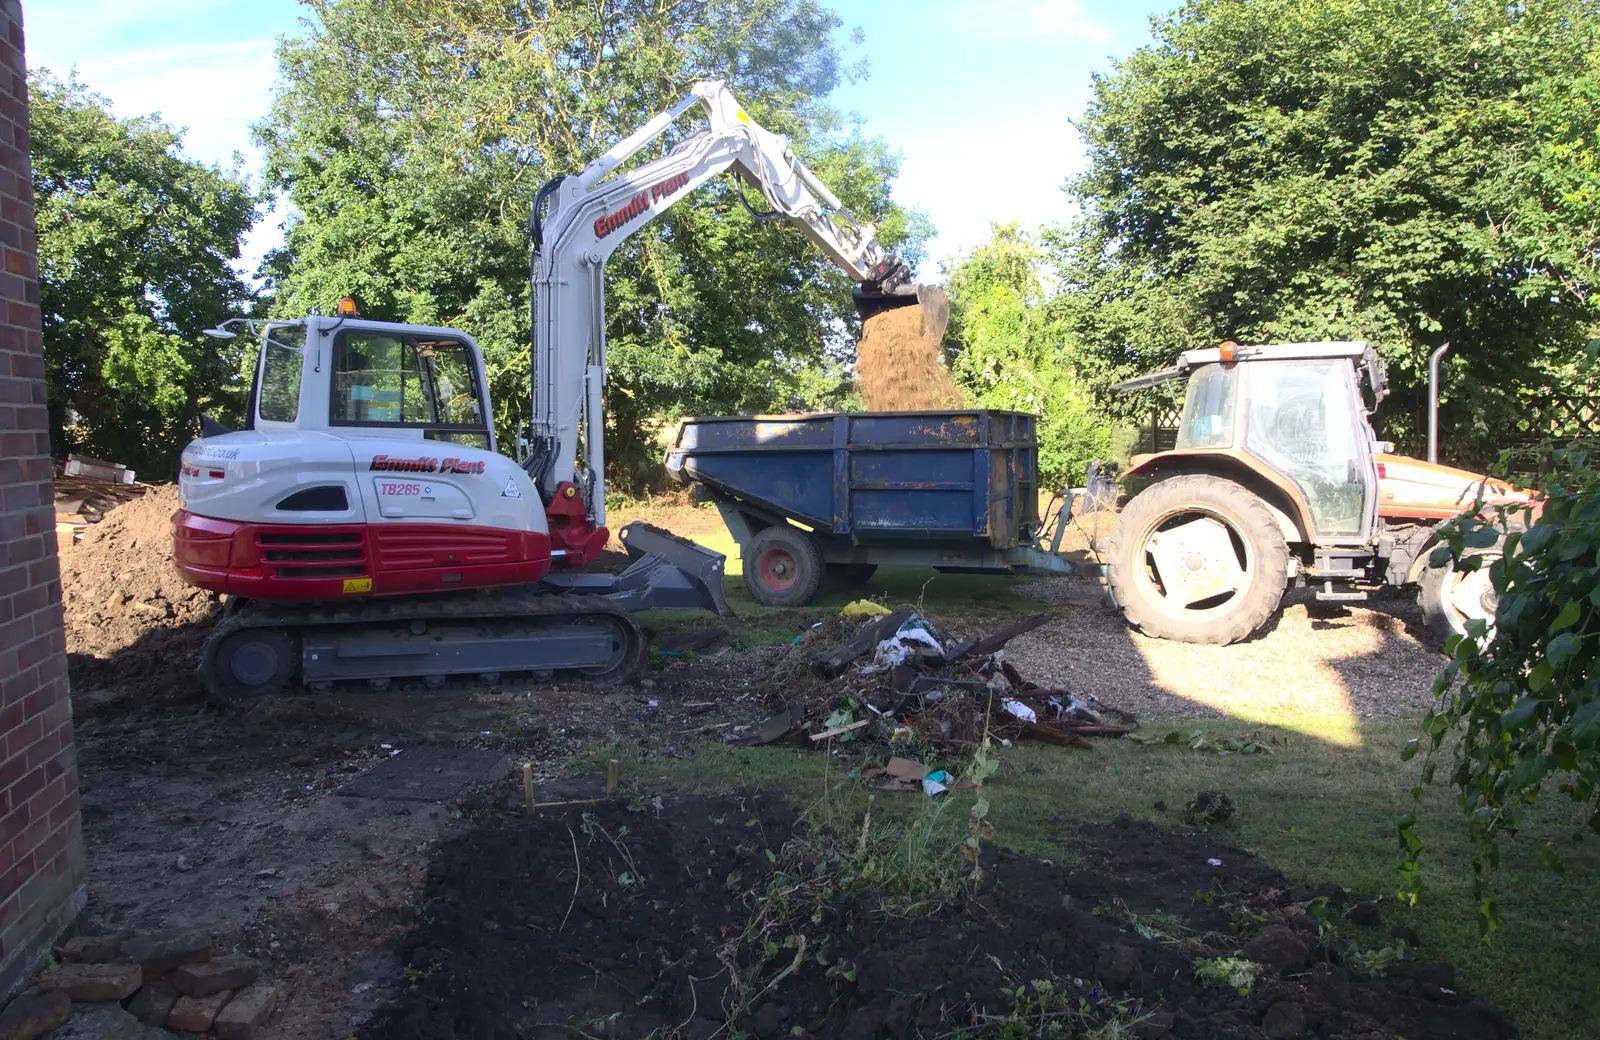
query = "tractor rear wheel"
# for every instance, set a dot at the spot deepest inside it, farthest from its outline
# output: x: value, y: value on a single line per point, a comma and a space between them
x: 1450, y: 597
x: 783, y: 567
x: 1197, y: 559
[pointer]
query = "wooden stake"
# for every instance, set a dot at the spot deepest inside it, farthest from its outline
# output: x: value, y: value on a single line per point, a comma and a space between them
x: 613, y: 775
x: 825, y: 734
x: 527, y: 787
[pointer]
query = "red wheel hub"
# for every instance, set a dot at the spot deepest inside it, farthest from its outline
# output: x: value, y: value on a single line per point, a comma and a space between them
x: 778, y: 569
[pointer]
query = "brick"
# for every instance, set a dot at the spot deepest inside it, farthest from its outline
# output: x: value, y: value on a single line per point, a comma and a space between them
x: 195, y: 1014
x: 247, y: 1013
x: 27, y: 1018
x: 153, y: 1003
x: 92, y: 949
x: 230, y: 971
x: 93, y: 981
x: 160, y: 952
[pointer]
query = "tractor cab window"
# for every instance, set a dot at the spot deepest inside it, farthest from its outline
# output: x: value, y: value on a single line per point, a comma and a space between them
x: 1208, y: 408
x: 278, y: 383
x: 1302, y: 422
x: 381, y: 379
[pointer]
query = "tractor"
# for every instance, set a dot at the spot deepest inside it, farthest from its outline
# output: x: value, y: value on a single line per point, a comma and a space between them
x: 1277, y: 478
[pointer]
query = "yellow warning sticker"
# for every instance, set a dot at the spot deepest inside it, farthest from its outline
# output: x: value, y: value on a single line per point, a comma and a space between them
x: 358, y: 584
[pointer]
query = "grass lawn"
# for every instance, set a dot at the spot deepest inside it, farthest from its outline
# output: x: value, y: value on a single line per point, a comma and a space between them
x: 1314, y: 810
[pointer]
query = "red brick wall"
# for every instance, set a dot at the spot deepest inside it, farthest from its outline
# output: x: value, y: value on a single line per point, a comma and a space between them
x: 42, y: 864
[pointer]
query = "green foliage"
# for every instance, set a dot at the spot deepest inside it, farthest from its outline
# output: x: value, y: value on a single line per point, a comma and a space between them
x: 1523, y: 700
x: 411, y: 135
x: 135, y: 243
x: 1012, y: 350
x: 1408, y: 172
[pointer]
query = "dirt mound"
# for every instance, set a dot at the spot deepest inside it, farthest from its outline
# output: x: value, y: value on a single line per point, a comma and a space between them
x: 619, y: 923
x: 128, y: 614
x: 900, y: 364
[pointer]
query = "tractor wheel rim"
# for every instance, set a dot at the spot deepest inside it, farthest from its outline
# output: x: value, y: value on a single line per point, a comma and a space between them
x: 254, y: 663
x: 778, y: 569
x: 1468, y: 596
x: 1167, y: 597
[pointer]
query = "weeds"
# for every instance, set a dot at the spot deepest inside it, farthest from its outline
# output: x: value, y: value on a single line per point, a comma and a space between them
x: 1234, y: 973
x: 629, y: 880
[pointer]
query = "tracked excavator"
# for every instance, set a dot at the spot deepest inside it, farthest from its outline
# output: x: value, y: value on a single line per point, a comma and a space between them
x: 365, y: 525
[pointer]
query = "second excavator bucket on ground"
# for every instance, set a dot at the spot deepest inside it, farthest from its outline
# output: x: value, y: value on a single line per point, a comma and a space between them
x: 666, y: 573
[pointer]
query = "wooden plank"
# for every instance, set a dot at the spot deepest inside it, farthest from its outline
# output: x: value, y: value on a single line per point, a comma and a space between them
x: 989, y: 644
x: 869, y: 637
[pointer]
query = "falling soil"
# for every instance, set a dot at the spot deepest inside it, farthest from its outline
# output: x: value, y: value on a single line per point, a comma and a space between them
x: 619, y: 923
x: 900, y: 364
x: 118, y: 589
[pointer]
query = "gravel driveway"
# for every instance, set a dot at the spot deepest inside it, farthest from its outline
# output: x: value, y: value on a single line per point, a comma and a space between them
x: 1321, y: 664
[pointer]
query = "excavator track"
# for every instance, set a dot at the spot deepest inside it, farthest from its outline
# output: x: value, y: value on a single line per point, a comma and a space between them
x: 268, y: 648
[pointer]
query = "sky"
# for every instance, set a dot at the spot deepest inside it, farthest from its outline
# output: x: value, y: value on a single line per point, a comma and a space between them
x: 975, y: 94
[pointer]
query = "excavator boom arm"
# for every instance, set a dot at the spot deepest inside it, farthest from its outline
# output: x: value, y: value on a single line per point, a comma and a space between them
x: 592, y: 213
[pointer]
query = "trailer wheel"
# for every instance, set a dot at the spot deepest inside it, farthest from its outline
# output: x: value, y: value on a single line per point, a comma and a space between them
x: 247, y: 665
x: 849, y: 575
x: 1449, y: 598
x: 1197, y: 559
x: 783, y: 567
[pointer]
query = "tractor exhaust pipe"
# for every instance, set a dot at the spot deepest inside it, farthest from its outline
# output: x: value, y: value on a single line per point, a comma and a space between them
x: 1433, y: 402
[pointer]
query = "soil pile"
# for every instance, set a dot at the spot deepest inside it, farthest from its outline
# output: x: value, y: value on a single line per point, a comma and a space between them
x: 611, y: 922
x: 900, y: 364
x: 128, y: 614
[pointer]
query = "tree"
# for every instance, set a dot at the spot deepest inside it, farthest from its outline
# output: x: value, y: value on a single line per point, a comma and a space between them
x: 411, y: 135
x: 135, y: 251
x: 1013, y: 350
x: 1310, y: 169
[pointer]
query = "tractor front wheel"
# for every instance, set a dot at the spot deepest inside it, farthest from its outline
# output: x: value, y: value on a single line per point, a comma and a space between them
x: 1197, y: 559
x: 783, y: 567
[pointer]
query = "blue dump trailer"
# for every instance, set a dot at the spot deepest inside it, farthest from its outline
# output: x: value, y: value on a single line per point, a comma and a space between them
x: 827, y: 498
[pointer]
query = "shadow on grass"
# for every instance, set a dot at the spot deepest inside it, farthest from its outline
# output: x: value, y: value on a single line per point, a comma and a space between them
x: 1317, y: 811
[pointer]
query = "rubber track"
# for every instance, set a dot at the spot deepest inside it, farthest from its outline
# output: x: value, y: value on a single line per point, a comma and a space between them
x: 466, y: 606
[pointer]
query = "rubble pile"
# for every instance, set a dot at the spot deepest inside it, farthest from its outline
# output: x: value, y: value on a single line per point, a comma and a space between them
x: 168, y: 980
x: 900, y: 680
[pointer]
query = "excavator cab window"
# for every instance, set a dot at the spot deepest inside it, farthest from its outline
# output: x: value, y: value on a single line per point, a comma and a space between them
x: 384, y: 379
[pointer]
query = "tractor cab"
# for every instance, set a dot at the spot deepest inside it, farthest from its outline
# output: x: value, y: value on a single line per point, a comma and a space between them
x: 1297, y: 414
x: 1276, y: 475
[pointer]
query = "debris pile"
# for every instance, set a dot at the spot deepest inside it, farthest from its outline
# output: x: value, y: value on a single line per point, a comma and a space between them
x: 900, y: 680
x: 85, y: 493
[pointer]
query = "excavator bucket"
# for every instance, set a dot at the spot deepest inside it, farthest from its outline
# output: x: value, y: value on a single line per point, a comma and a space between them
x: 666, y: 572
x: 931, y: 298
